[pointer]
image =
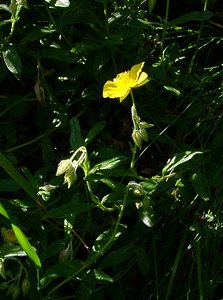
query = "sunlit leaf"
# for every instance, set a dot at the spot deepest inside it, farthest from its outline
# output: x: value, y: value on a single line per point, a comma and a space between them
x: 100, y: 275
x: 59, y: 3
x: 145, y: 211
x: 12, y: 60
x: 109, y: 164
x: 182, y: 159
x: 21, y: 238
x: 172, y: 90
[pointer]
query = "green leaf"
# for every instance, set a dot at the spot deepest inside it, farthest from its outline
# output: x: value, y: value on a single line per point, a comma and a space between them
x: 76, y: 140
x: 201, y: 185
x: 69, y: 209
x: 100, y: 275
x: 115, y: 257
x: 182, y: 160
x: 5, y: 7
x: 8, y: 185
x: 18, y: 178
x: 173, y: 90
x: 12, y: 60
x: 99, y: 126
x: 36, y: 34
x: 193, y: 16
x: 11, y: 250
x: 21, y: 238
x: 24, y: 3
x: 53, y: 249
x: 104, y: 241
x: 60, y: 269
x: 24, y: 243
x: 59, y: 54
x: 142, y: 259
x: 109, y: 164
x: 59, y: 3
x: 145, y: 211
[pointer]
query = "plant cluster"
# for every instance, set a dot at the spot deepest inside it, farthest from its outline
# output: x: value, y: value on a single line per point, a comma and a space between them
x: 111, y: 150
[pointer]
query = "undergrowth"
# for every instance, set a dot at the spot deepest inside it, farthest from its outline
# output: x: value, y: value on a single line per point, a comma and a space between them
x: 101, y: 198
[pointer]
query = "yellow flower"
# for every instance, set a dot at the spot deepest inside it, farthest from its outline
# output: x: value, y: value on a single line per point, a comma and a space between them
x: 121, y: 86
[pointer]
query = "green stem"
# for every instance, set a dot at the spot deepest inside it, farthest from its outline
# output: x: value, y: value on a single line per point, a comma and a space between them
x: 134, y: 149
x: 199, y: 271
x: 95, y: 200
x: 165, y: 28
x: 197, y: 43
x: 108, y: 35
x: 174, y: 269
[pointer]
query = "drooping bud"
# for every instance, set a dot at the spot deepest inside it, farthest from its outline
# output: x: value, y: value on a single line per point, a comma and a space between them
x: 64, y: 166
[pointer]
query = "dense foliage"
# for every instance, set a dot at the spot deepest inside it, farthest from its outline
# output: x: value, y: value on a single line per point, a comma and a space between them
x: 102, y: 199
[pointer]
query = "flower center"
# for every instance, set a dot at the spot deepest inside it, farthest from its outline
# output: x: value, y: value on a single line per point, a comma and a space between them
x: 124, y: 79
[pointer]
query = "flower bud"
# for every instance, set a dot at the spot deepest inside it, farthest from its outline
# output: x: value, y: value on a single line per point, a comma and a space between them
x: 70, y: 177
x: 64, y: 166
x: 136, y: 136
x: 144, y: 135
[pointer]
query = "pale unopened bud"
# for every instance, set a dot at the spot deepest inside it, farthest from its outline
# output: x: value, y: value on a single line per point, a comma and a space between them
x: 39, y: 91
x: 137, y: 138
x: 144, y: 135
x: 70, y: 177
x: 64, y: 166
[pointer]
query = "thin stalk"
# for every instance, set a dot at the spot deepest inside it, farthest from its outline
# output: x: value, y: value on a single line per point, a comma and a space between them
x: 55, y: 25
x: 198, y: 39
x: 175, y: 266
x: 165, y: 28
x: 199, y: 271
x: 156, y: 269
x: 108, y: 35
x: 134, y: 149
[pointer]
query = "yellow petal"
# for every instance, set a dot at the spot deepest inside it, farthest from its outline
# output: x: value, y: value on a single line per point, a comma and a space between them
x: 142, y: 79
x: 126, y: 94
x: 114, y: 90
x: 135, y: 71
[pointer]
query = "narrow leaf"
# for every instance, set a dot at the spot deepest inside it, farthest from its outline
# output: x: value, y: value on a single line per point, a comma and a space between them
x: 100, y: 275
x: 18, y: 178
x: 193, y: 16
x: 24, y: 243
x: 76, y: 140
x: 69, y: 209
x: 181, y: 159
x: 109, y: 164
x: 21, y: 238
x: 99, y: 126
